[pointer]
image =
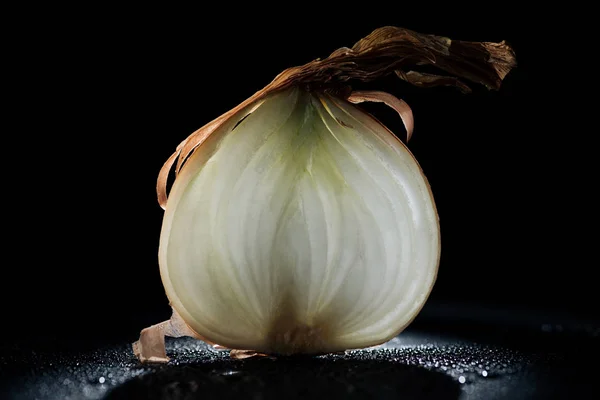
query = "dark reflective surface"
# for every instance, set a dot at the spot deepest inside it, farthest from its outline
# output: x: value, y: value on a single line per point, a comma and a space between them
x: 291, y: 379
x: 434, y: 359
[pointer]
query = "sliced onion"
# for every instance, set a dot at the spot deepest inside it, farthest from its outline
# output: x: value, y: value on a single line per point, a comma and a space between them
x: 307, y: 228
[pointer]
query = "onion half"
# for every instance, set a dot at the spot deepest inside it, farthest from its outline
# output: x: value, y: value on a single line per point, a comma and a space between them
x: 299, y: 224
x: 309, y: 228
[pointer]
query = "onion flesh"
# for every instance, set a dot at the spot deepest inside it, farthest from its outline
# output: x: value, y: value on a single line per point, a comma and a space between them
x: 303, y: 227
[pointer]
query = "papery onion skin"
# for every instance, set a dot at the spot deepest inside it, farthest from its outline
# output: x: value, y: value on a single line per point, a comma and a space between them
x: 309, y: 228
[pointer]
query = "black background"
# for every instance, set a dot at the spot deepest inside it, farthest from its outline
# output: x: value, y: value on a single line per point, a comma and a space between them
x: 103, y: 97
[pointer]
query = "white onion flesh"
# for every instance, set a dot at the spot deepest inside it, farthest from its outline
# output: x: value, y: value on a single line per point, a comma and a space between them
x: 309, y: 228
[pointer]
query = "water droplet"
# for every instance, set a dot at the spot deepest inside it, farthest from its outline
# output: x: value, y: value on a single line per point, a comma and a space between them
x: 462, y: 379
x: 230, y: 373
x: 101, y: 380
x: 484, y: 373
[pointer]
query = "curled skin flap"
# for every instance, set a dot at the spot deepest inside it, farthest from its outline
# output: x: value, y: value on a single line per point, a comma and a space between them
x: 151, y: 345
x: 243, y: 354
x: 398, y: 105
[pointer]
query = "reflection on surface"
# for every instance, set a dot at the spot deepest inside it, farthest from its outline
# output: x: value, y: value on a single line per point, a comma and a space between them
x: 290, y: 379
x: 480, y: 362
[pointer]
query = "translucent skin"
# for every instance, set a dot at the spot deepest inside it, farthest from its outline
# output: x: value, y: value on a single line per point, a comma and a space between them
x: 307, y: 228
